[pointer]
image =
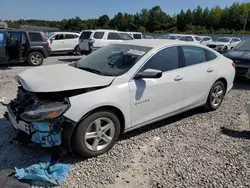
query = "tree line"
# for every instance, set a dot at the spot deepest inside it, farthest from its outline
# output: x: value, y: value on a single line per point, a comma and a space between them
x: 215, y: 20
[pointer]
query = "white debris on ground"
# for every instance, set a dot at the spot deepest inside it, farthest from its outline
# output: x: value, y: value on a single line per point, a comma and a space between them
x: 189, y: 150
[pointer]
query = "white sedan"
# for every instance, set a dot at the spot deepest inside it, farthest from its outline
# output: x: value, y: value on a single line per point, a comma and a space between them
x: 86, y: 106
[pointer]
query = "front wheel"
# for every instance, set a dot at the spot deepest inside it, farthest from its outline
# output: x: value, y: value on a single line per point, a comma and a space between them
x: 97, y: 134
x: 216, y: 96
x: 35, y: 59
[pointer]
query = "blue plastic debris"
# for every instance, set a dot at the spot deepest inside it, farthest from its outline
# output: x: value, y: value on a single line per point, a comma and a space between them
x: 45, y: 136
x: 54, y: 173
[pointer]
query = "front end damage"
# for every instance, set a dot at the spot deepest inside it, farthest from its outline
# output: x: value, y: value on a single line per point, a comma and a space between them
x: 40, y: 117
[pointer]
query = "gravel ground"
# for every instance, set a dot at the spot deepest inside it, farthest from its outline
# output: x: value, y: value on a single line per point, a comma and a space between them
x: 195, y: 149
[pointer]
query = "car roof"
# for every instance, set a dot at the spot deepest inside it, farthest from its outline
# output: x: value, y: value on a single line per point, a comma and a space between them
x: 100, y: 30
x: 157, y: 43
x: 134, y: 32
x: 74, y: 33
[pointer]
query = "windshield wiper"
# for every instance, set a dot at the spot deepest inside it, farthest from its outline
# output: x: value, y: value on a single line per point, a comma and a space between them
x: 90, y: 70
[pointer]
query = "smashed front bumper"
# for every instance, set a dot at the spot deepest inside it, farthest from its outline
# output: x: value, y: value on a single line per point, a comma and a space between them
x: 47, y: 133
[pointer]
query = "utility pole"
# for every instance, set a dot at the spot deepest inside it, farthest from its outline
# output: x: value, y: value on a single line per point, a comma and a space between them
x: 246, y: 19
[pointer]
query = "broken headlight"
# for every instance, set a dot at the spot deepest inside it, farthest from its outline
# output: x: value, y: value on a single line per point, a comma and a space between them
x: 44, y: 111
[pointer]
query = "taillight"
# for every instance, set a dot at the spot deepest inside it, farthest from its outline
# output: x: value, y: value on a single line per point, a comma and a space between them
x: 47, y: 44
x: 234, y: 65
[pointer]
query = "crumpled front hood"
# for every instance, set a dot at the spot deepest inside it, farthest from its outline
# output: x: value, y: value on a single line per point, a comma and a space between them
x: 56, y: 78
x: 218, y: 43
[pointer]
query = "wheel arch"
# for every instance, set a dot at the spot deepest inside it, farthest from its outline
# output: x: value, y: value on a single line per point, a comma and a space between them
x: 111, y: 108
x: 37, y: 50
x: 224, y: 81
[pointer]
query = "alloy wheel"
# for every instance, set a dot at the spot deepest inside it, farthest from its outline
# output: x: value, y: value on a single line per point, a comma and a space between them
x: 99, y: 134
x: 217, y: 96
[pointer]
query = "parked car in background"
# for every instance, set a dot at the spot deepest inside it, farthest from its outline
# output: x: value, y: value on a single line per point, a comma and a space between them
x: 170, y: 36
x: 116, y: 89
x: 64, y: 42
x: 23, y: 46
x: 136, y: 35
x: 205, y: 40
x: 241, y: 57
x: 91, y: 40
x: 223, y: 44
x: 148, y: 37
x: 190, y: 38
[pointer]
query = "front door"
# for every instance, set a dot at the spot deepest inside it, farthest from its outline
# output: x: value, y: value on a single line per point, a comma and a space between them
x: 3, y: 54
x: 155, y: 98
x: 57, y: 43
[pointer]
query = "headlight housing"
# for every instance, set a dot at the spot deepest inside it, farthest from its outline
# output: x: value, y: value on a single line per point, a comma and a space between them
x: 44, y: 112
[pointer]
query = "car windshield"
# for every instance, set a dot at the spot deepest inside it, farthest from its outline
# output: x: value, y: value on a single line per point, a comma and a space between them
x: 243, y: 46
x: 197, y: 38
x: 113, y: 60
x: 125, y: 36
x: 168, y: 37
x: 223, y: 39
x: 183, y: 38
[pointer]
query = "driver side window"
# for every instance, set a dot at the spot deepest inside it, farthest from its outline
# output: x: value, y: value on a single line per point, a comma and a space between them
x: 164, y: 60
x: 59, y: 37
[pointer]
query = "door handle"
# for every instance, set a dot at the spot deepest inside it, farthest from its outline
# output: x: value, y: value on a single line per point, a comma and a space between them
x: 178, y: 78
x: 210, y: 70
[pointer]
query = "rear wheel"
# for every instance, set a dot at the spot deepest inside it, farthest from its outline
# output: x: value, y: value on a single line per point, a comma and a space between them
x: 77, y: 50
x: 35, y: 59
x: 216, y: 96
x: 97, y: 134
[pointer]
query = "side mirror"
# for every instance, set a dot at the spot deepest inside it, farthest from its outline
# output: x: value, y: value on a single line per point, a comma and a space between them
x: 149, y: 73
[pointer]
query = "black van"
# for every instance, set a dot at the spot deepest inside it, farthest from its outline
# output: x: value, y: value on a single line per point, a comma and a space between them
x: 23, y: 46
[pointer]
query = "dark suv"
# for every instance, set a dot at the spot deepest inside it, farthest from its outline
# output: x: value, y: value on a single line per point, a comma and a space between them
x: 23, y: 46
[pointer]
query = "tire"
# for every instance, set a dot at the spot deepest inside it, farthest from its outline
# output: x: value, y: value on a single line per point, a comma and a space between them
x: 85, y: 146
x: 212, y: 103
x: 77, y: 50
x: 35, y: 59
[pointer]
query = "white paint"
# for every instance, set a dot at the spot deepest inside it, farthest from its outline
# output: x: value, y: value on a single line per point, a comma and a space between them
x: 141, y: 101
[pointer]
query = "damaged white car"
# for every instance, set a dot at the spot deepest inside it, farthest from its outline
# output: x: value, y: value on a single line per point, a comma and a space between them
x: 85, y: 106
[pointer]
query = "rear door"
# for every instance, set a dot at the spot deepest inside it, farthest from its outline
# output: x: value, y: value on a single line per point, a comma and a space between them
x: 70, y: 42
x: 200, y: 72
x: 3, y: 54
x: 84, y: 40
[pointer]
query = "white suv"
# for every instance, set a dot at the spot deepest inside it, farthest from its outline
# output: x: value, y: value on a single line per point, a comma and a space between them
x: 64, y: 42
x: 91, y: 40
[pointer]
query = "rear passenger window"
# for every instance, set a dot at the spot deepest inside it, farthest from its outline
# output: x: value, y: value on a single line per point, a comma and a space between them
x: 98, y: 35
x: 210, y: 55
x: 137, y: 36
x: 194, y: 55
x: 35, y: 37
x: 165, y: 60
x: 113, y: 36
x: 69, y: 36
